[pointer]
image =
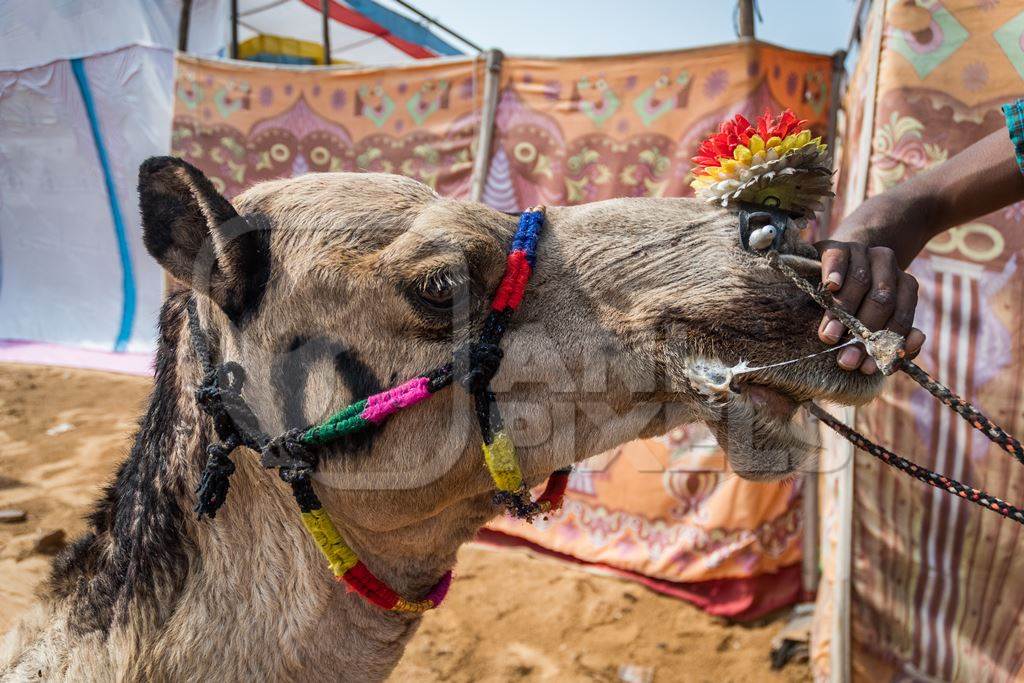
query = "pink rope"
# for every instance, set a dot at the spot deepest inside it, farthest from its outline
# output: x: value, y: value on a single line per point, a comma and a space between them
x: 380, y: 406
x: 440, y: 589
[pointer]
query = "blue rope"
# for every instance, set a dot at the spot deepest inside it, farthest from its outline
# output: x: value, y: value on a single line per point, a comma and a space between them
x: 527, y: 234
x: 124, y: 333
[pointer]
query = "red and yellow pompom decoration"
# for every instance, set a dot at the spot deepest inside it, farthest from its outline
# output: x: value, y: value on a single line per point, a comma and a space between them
x: 775, y: 163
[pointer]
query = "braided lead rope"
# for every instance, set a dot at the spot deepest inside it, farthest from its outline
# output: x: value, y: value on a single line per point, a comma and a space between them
x: 964, y: 409
x: 886, y: 347
x: 941, y: 482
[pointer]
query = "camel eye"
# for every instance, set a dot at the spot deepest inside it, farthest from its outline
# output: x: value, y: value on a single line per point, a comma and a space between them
x: 437, y: 295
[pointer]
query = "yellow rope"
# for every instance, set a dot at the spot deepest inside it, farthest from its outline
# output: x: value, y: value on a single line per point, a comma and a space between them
x: 339, y: 556
x: 502, y: 463
x: 417, y: 607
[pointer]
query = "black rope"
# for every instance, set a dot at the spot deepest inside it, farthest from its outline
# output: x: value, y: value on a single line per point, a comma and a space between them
x: 219, y: 395
x: 939, y: 481
x: 968, y: 412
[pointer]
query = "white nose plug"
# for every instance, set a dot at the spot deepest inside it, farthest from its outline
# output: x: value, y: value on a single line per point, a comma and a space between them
x: 762, y: 238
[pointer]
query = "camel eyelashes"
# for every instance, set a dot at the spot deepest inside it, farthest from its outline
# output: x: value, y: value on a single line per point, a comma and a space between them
x: 437, y: 290
x: 438, y: 295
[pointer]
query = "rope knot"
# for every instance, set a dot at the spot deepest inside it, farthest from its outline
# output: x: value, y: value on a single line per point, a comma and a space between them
x: 215, y: 480
x: 480, y: 362
x: 291, y: 456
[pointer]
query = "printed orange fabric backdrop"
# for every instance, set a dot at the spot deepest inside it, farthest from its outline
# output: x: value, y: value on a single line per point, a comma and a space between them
x: 243, y: 124
x: 566, y: 132
x: 937, y: 586
x: 580, y: 130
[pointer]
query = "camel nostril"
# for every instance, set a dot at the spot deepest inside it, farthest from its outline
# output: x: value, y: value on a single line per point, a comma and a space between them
x: 759, y: 219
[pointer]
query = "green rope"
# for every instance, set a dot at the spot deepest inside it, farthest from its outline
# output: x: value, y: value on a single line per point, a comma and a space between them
x: 345, y: 421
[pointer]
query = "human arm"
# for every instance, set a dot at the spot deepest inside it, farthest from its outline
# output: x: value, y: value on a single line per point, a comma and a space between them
x: 862, y: 263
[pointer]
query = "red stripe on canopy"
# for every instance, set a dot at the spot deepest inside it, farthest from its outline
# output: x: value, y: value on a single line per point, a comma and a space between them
x: 350, y: 17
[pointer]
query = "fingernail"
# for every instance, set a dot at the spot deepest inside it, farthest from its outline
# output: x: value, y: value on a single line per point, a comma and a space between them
x: 869, y: 366
x: 833, y: 331
x: 834, y: 280
x: 849, y: 358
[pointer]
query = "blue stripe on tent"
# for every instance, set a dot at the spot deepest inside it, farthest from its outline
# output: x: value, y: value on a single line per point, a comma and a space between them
x: 127, y: 275
x: 402, y: 27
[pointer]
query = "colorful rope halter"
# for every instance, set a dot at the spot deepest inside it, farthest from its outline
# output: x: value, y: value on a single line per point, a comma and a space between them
x: 294, y: 454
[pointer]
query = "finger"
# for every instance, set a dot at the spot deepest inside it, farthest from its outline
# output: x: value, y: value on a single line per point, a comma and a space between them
x: 902, y: 319
x: 915, y: 340
x: 869, y: 366
x: 835, y: 257
x: 851, y: 357
x: 830, y: 330
x: 856, y: 281
x: 880, y: 303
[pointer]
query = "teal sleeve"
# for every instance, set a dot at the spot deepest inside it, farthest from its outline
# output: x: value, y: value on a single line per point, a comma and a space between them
x: 1014, y: 113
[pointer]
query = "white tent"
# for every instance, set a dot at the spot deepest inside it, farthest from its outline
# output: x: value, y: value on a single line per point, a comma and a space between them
x: 85, y: 96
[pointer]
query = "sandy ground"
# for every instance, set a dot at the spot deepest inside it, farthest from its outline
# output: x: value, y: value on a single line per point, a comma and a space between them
x: 63, y: 431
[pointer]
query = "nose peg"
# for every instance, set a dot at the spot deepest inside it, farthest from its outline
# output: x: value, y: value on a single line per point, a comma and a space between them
x: 762, y: 227
x: 762, y: 238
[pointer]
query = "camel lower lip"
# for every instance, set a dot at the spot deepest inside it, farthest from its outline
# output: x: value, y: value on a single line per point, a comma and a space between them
x: 770, y: 400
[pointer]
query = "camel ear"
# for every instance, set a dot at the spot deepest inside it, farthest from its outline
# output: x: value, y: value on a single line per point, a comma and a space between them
x: 199, y: 238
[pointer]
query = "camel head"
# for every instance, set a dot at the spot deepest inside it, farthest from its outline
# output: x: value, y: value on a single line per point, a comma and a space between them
x: 329, y: 287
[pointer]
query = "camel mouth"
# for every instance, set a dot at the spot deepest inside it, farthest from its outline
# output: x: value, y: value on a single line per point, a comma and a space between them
x: 771, y: 401
x: 753, y: 411
x: 782, y: 391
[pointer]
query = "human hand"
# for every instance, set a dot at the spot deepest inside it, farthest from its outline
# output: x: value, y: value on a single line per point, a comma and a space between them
x: 868, y: 282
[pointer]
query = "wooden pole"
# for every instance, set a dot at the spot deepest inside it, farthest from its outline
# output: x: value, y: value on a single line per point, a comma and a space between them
x: 832, y: 134
x: 170, y: 284
x: 186, y: 13
x: 234, y: 29
x: 326, y: 22
x: 746, y: 18
x: 809, y: 510
x: 485, y: 137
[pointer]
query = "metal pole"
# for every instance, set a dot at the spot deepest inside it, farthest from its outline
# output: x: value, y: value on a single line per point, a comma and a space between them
x: 326, y: 22
x: 485, y: 137
x: 855, y: 27
x: 746, y: 18
x: 186, y: 12
x: 234, y: 29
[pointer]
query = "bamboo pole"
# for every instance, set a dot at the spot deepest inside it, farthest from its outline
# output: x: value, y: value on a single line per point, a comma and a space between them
x: 809, y: 546
x: 485, y: 137
x: 438, y: 24
x: 170, y: 284
x: 325, y: 21
x: 832, y: 134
